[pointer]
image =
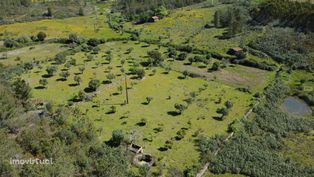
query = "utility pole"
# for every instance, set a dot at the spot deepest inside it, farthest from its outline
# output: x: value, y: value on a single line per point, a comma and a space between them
x: 126, y: 90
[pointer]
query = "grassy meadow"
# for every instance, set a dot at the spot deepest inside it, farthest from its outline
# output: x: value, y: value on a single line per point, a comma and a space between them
x: 199, y: 118
x: 86, y: 26
x: 206, y: 93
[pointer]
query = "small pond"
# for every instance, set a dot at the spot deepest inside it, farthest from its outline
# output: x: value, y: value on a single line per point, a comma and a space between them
x: 296, y: 106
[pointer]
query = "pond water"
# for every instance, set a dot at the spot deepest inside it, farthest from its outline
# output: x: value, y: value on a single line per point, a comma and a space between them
x: 296, y: 106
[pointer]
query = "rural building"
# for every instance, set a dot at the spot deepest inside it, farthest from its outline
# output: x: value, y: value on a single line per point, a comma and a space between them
x: 143, y: 159
x: 155, y: 18
x: 235, y: 51
x: 136, y: 148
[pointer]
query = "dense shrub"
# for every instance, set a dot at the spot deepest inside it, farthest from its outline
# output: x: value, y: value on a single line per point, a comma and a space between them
x: 280, y: 43
x: 252, y: 63
x: 297, y: 14
x: 253, y: 151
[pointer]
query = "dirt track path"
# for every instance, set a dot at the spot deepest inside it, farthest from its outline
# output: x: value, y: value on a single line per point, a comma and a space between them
x: 205, y: 167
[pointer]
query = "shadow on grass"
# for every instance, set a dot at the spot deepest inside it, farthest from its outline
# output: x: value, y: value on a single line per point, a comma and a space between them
x: 181, y: 77
x: 110, y: 112
x: 116, y: 94
x: 106, y: 82
x: 217, y: 118
x: 89, y: 90
x: 173, y: 113
x: 162, y: 149
x: 61, y: 79
x: 46, y: 76
x: 141, y: 124
x: 40, y: 87
x: 73, y: 85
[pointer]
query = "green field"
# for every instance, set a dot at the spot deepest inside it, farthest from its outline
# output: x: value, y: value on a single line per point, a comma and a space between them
x: 56, y: 28
x: 200, y: 115
x: 206, y: 93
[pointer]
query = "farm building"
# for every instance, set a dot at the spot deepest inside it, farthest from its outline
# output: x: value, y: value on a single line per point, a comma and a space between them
x: 136, y: 148
x: 235, y: 51
x: 155, y: 18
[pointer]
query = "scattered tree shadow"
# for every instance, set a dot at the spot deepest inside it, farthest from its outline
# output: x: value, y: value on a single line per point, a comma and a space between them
x: 89, y: 90
x: 116, y: 94
x: 110, y: 112
x: 61, y: 79
x: 217, y: 118
x: 36, y: 72
x: 177, y: 138
x: 162, y: 149
x: 75, y: 100
x: 181, y: 77
x: 64, y: 69
x: 106, y: 82
x: 46, y: 76
x: 141, y: 124
x: 173, y: 113
x: 73, y: 85
x: 165, y: 72
x: 123, y: 117
x: 40, y: 87
x: 144, y: 103
x: 187, y: 63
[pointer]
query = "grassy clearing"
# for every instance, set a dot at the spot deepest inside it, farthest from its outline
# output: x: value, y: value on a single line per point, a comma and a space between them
x: 294, y: 79
x: 40, y: 52
x: 56, y: 28
x: 298, y: 148
x: 232, y: 75
x: 242, y: 76
x: 199, y: 117
x: 184, y: 25
x: 179, y: 27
